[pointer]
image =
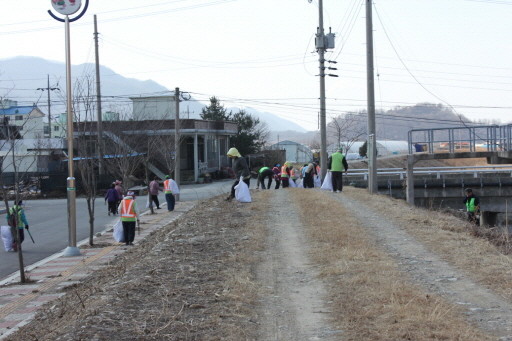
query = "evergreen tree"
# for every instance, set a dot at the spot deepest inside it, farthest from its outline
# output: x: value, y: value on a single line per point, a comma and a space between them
x: 215, y: 111
x: 251, y: 134
x: 363, y: 150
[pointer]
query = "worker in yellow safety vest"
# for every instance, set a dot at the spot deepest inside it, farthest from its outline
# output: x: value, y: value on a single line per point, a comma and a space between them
x: 129, y: 216
x: 169, y: 186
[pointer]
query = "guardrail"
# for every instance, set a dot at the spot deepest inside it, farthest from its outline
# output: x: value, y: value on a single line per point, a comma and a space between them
x: 489, y: 138
x: 438, y: 171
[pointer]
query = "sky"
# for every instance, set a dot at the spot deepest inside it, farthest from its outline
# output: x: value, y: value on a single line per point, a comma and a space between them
x: 261, y: 54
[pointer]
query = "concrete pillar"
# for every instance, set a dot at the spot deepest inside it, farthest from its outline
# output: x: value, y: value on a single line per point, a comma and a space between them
x: 205, y: 139
x: 196, y: 156
x: 410, y: 180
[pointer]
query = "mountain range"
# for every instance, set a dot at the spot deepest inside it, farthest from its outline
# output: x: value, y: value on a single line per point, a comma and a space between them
x: 23, y: 78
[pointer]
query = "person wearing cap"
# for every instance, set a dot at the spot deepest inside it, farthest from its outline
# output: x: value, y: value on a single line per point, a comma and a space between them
x: 472, y: 205
x: 169, y: 185
x: 337, y: 164
x: 240, y: 168
x: 21, y: 224
x: 154, y: 188
x: 129, y: 216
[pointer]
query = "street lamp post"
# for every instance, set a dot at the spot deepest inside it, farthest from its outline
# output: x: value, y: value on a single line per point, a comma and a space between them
x: 66, y: 8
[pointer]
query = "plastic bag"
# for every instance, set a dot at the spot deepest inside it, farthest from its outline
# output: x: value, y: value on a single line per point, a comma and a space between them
x: 147, y: 203
x: 7, y: 237
x: 174, y: 187
x: 292, y: 183
x: 242, y: 192
x: 317, y: 182
x: 327, y: 184
x: 119, y: 232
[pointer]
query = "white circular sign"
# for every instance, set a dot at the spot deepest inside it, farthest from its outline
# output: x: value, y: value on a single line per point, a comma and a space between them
x: 66, y: 7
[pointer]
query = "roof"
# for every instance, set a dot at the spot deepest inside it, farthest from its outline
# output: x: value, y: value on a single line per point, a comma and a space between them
x: 18, y: 110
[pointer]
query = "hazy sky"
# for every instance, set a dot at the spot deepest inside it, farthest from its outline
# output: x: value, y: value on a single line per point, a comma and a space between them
x: 260, y: 53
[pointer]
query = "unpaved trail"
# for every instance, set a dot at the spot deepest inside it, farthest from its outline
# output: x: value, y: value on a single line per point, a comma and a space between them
x: 489, y: 311
x: 293, y: 305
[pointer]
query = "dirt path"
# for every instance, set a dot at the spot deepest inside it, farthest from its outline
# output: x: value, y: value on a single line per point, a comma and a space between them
x: 293, y: 304
x: 485, y: 308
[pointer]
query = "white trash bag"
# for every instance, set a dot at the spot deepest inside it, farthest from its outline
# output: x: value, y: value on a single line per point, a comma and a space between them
x: 7, y: 237
x: 327, y: 184
x: 118, y: 232
x: 174, y: 187
x: 292, y: 183
x: 317, y: 182
x: 242, y: 192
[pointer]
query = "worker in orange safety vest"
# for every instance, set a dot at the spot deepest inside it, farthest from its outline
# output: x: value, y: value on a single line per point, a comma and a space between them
x: 129, y: 216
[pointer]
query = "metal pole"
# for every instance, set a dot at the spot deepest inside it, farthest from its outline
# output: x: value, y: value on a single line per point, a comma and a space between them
x: 98, y: 99
x: 321, y: 52
x: 71, y: 250
x: 372, y: 139
x: 49, y: 111
x: 177, y: 155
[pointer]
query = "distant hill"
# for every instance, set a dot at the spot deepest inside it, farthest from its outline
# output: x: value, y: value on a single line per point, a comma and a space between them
x: 20, y: 78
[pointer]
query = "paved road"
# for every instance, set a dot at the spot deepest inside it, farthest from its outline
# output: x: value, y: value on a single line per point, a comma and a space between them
x: 48, y: 223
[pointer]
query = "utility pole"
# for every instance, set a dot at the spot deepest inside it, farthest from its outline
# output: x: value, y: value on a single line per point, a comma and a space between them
x: 98, y: 99
x: 372, y: 140
x: 320, y: 45
x: 48, y: 88
x: 177, y: 155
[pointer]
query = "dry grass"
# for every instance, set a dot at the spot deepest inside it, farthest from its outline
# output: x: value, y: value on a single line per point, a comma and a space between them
x: 485, y: 259
x: 370, y: 297
x: 191, y: 280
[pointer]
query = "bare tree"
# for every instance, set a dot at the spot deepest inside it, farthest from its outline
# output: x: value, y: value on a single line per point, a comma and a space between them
x: 346, y: 129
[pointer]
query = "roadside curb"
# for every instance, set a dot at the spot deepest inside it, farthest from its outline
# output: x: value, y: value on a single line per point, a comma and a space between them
x: 19, y: 303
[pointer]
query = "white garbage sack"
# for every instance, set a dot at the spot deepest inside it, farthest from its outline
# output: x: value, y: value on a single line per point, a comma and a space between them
x: 300, y: 183
x: 148, y: 202
x: 174, y: 187
x: 7, y: 237
x: 118, y: 232
x: 292, y: 183
x: 242, y: 192
x: 317, y: 182
x: 327, y: 184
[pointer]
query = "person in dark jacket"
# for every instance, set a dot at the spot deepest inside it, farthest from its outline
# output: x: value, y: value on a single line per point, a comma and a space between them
x: 112, y: 198
x: 240, y: 168
x: 472, y: 206
x: 21, y: 223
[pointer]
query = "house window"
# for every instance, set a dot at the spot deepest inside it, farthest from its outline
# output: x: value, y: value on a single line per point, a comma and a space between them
x: 55, y: 128
x: 18, y: 117
x: 46, y: 130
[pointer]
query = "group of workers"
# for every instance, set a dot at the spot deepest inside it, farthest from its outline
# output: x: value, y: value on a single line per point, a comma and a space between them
x: 287, y: 173
x: 126, y: 206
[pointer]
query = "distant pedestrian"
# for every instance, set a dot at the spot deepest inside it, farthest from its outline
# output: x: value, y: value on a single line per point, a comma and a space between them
x: 112, y: 198
x: 154, y: 188
x: 472, y: 203
x: 169, y: 188
x: 18, y: 223
x: 337, y: 165
x: 241, y: 170
x: 277, y: 174
x: 265, y: 173
x: 129, y: 217
x: 119, y: 189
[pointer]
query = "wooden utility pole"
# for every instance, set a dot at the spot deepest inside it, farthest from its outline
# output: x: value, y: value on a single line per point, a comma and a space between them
x: 98, y: 99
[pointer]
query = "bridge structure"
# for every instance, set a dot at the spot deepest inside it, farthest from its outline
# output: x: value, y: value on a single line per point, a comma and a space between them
x: 492, y: 142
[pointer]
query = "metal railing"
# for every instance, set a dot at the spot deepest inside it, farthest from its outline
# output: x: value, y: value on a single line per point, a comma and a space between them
x: 490, y: 138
